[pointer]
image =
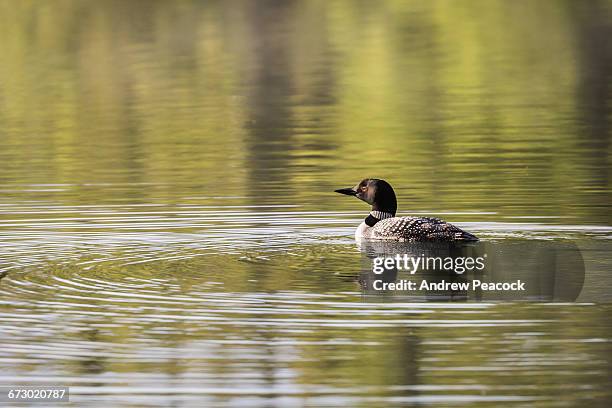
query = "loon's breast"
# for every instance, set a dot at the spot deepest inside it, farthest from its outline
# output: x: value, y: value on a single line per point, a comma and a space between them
x: 363, y: 231
x: 413, y: 229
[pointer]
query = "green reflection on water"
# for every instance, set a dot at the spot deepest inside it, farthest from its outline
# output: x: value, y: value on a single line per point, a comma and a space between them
x: 488, y: 106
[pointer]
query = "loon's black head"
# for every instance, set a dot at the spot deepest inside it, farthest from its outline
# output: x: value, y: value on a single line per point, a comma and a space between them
x: 376, y: 192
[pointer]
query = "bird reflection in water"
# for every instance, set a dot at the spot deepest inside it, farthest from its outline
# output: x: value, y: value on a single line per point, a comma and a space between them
x: 548, y: 270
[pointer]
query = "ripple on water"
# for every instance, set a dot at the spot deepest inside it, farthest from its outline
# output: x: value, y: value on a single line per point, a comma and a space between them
x: 90, y: 235
x: 147, y: 303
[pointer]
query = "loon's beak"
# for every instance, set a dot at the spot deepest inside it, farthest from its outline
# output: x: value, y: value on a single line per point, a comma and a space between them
x: 347, y: 191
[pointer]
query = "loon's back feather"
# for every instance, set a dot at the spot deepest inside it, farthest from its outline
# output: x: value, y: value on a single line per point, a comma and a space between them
x: 419, y: 229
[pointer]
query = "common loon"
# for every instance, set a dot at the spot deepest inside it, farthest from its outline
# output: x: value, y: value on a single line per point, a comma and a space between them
x: 382, y: 224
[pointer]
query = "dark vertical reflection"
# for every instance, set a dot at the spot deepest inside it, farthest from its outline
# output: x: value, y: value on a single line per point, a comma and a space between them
x: 93, y: 364
x: 268, y: 90
x: 408, y: 354
x: 594, y: 93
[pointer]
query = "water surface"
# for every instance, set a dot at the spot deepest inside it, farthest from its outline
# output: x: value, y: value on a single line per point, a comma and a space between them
x: 169, y: 233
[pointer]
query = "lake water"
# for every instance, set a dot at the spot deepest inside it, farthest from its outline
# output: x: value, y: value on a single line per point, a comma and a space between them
x: 169, y: 233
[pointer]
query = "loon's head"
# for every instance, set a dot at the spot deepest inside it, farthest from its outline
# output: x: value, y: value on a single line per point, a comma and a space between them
x: 376, y: 192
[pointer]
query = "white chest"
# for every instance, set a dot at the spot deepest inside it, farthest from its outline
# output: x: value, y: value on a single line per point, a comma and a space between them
x: 363, y: 231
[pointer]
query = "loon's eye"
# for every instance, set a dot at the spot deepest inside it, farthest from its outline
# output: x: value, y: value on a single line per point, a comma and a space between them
x: 364, y: 188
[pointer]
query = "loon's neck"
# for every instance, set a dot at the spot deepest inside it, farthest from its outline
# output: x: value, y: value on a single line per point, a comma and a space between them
x: 376, y: 216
